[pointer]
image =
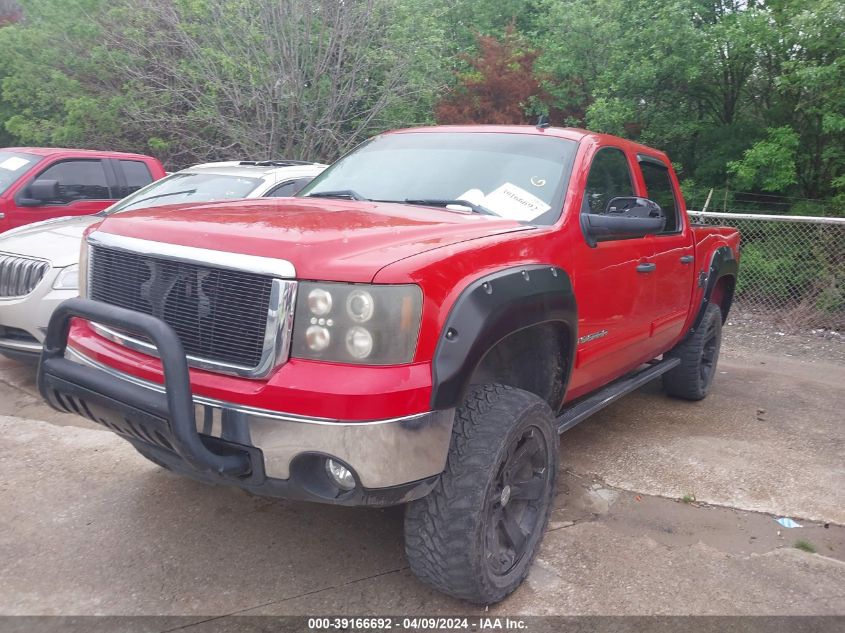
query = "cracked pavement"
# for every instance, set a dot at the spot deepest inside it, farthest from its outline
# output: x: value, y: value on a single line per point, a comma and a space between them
x: 90, y: 527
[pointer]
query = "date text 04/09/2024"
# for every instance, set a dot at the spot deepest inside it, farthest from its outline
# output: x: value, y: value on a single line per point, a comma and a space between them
x: 416, y: 623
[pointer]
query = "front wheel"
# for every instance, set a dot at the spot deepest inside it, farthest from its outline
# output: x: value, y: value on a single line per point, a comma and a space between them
x: 475, y: 535
x: 699, y: 353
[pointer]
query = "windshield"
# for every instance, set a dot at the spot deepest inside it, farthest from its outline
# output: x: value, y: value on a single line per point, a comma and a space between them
x: 13, y: 165
x: 518, y: 176
x: 187, y: 187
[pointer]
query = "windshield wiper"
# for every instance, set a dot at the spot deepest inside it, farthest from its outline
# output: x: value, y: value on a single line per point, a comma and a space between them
x: 186, y: 192
x: 347, y: 194
x: 477, y: 208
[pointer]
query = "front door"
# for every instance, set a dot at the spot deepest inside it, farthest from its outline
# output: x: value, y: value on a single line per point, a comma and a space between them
x: 82, y: 187
x: 613, y: 287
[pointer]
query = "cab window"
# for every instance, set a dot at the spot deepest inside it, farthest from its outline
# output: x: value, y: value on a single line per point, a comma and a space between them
x: 78, y: 180
x: 288, y: 188
x: 660, y: 190
x: 610, y: 177
x: 137, y: 175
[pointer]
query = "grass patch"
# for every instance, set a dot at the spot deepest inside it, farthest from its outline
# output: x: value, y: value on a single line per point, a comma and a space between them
x: 688, y: 498
x: 805, y: 546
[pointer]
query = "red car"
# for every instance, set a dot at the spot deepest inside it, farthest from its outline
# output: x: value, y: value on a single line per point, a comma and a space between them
x: 40, y: 183
x: 417, y: 326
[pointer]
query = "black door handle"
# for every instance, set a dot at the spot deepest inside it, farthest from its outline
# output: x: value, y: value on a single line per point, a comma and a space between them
x: 687, y: 259
x: 646, y: 268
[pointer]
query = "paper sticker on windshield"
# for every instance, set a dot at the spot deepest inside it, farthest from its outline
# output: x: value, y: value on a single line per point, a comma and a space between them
x: 510, y: 201
x: 14, y: 163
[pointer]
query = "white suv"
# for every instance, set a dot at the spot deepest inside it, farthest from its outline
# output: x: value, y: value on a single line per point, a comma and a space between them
x: 39, y: 262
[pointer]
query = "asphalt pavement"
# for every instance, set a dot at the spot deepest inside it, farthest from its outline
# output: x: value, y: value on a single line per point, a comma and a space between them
x: 663, y: 507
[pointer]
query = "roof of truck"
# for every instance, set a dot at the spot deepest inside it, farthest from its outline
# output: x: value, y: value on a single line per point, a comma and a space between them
x: 568, y: 133
x: 94, y: 153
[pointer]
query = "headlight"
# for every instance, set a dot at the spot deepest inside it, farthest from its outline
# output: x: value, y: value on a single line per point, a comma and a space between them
x: 68, y: 278
x: 357, y: 323
x: 320, y: 301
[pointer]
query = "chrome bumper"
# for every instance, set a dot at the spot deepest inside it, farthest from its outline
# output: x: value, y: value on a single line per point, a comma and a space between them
x: 384, y: 453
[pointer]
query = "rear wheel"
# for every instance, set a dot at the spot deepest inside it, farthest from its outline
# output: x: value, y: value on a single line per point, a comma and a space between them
x: 475, y: 535
x: 699, y: 354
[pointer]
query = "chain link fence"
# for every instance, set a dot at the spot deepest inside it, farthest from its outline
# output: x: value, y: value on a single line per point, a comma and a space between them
x: 792, y: 268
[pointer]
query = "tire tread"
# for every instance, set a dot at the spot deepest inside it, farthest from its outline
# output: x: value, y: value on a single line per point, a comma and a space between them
x: 442, y: 538
x: 684, y: 380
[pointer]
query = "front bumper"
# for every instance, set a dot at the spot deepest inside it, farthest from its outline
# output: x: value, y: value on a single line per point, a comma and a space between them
x: 266, y: 452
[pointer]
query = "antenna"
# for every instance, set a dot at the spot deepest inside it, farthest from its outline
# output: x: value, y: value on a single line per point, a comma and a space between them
x: 542, y: 121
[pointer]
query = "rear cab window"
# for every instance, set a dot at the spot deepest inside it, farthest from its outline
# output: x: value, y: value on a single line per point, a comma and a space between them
x: 137, y: 175
x: 660, y: 189
x: 13, y: 165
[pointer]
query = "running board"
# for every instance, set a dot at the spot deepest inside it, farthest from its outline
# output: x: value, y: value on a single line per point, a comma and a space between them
x: 612, y: 392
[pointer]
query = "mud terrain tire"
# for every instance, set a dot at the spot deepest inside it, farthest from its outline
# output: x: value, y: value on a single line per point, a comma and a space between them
x: 699, y: 354
x: 475, y: 535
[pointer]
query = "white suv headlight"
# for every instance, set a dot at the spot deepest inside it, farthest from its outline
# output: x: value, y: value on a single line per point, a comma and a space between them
x: 357, y: 323
x: 68, y: 278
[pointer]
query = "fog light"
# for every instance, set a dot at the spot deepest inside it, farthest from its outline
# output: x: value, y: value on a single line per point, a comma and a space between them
x: 318, y: 338
x: 340, y: 475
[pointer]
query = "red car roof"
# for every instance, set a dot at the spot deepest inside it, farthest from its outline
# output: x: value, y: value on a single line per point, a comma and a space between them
x: 50, y: 151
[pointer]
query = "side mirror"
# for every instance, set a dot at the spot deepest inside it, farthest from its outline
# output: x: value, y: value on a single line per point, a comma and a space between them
x: 624, y: 218
x: 40, y: 192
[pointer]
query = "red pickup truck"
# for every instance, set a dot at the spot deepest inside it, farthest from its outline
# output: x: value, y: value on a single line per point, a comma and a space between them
x: 417, y: 326
x: 40, y: 183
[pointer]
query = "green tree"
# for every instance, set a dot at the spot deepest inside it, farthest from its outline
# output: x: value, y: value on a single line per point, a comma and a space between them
x: 769, y: 165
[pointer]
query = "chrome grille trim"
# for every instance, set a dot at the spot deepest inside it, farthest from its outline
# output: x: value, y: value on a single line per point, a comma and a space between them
x: 271, y: 267
x: 277, y: 337
x: 19, y: 276
x: 278, y: 328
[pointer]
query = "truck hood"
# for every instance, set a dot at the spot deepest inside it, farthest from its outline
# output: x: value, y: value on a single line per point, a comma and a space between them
x: 56, y: 240
x: 325, y: 239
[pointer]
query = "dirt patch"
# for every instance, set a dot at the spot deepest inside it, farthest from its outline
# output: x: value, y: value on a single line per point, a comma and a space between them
x: 748, y: 332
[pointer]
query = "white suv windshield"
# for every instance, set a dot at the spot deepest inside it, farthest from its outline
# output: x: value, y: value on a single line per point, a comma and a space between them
x: 13, y: 165
x: 187, y: 187
x: 518, y: 176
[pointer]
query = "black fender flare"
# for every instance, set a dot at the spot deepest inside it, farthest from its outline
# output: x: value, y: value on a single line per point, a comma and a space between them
x: 491, y: 308
x: 723, y: 263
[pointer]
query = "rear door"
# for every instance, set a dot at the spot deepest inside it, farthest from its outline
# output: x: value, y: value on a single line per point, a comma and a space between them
x: 83, y: 186
x: 672, y: 256
x: 131, y: 175
x: 615, y: 308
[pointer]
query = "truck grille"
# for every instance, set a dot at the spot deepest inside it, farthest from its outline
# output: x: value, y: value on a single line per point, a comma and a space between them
x: 219, y: 315
x: 20, y: 275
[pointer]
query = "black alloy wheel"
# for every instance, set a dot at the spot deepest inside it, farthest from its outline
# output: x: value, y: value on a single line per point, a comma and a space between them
x: 515, y: 507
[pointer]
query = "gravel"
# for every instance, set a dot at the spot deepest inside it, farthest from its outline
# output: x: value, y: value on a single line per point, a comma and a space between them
x: 749, y: 332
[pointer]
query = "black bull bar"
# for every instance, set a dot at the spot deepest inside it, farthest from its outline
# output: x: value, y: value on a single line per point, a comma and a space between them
x: 164, y: 419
